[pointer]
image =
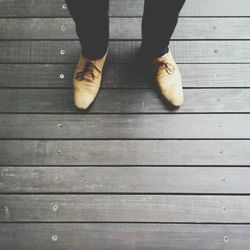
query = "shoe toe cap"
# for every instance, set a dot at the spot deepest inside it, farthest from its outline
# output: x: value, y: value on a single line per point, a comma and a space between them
x: 83, y: 101
x: 176, y: 99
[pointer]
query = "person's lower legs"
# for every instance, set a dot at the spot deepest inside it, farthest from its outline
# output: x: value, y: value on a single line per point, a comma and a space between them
x: 159, y: 21
x: 92, y: 25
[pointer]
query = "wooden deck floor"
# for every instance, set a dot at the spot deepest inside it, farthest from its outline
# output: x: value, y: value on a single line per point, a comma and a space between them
x: 130, y: 173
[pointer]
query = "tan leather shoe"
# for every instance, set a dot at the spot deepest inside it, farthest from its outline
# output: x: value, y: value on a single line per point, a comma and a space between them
x: 87, y: 80
x: 168, y: 79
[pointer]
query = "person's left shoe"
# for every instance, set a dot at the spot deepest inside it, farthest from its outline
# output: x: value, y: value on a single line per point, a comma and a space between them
x: 87, y: 80
x: 168, y: 79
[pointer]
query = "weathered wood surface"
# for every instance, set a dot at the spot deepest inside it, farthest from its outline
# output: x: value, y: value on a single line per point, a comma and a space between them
x: 125, y: 152
x: 56, y: 8
x: 125, y: 208
x: 124, y: 101
x: 125, y: 179
x: 123, y: 76
x: 124, y: 51
x: 125, y: 28
x: 124, y: 126
x: 127, y: 236
x: 131, y: 159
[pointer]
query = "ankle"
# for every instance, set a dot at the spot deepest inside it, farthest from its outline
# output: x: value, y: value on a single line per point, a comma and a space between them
x: 94, y: 57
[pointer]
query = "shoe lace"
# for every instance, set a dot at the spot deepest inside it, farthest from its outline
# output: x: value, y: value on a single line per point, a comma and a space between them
x: 87, y: 69
x: 167, y: 66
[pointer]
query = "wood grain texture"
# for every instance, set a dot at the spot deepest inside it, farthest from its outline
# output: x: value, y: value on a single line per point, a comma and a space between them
x: 127, y: 236
x: 124, y: 28
x: 123, y: 76
x: 124, y: 101
x: 124, y: 51
x: 179, y: 177
x: 125, y: 152
x: 133, y: 126
x: 125, y: 208
x: 125, y: 179
x: 55, y: 8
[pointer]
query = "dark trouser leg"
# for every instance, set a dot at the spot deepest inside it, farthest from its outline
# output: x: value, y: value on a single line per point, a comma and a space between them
x: 92, y: 25
x: 159, y: 21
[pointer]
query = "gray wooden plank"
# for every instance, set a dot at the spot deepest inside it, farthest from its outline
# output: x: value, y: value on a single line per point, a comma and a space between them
x: 124, y: 101
x: 124, y: 51
x: 28, y: 8
x: 124, y: 152
x: 118, y: 179
x: 125, y: 208
x: 140, y: 126
x: 122, y: 76
x: 126, y: 236
x: 191, y: 8
x: 124, y: 28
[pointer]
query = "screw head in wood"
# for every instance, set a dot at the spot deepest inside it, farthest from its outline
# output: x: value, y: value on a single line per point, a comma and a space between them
x: 222, y: 179
x: 63, y: 28
x: 62, y: 52
x: 54, y: 238
x: 55, y: 207
x: 64, y: 6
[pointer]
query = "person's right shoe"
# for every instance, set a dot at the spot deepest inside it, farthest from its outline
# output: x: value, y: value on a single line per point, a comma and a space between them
x: 87, y: 80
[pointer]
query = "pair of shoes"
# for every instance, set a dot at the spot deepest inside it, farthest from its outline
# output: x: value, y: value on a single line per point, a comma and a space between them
x: 88, y: 75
